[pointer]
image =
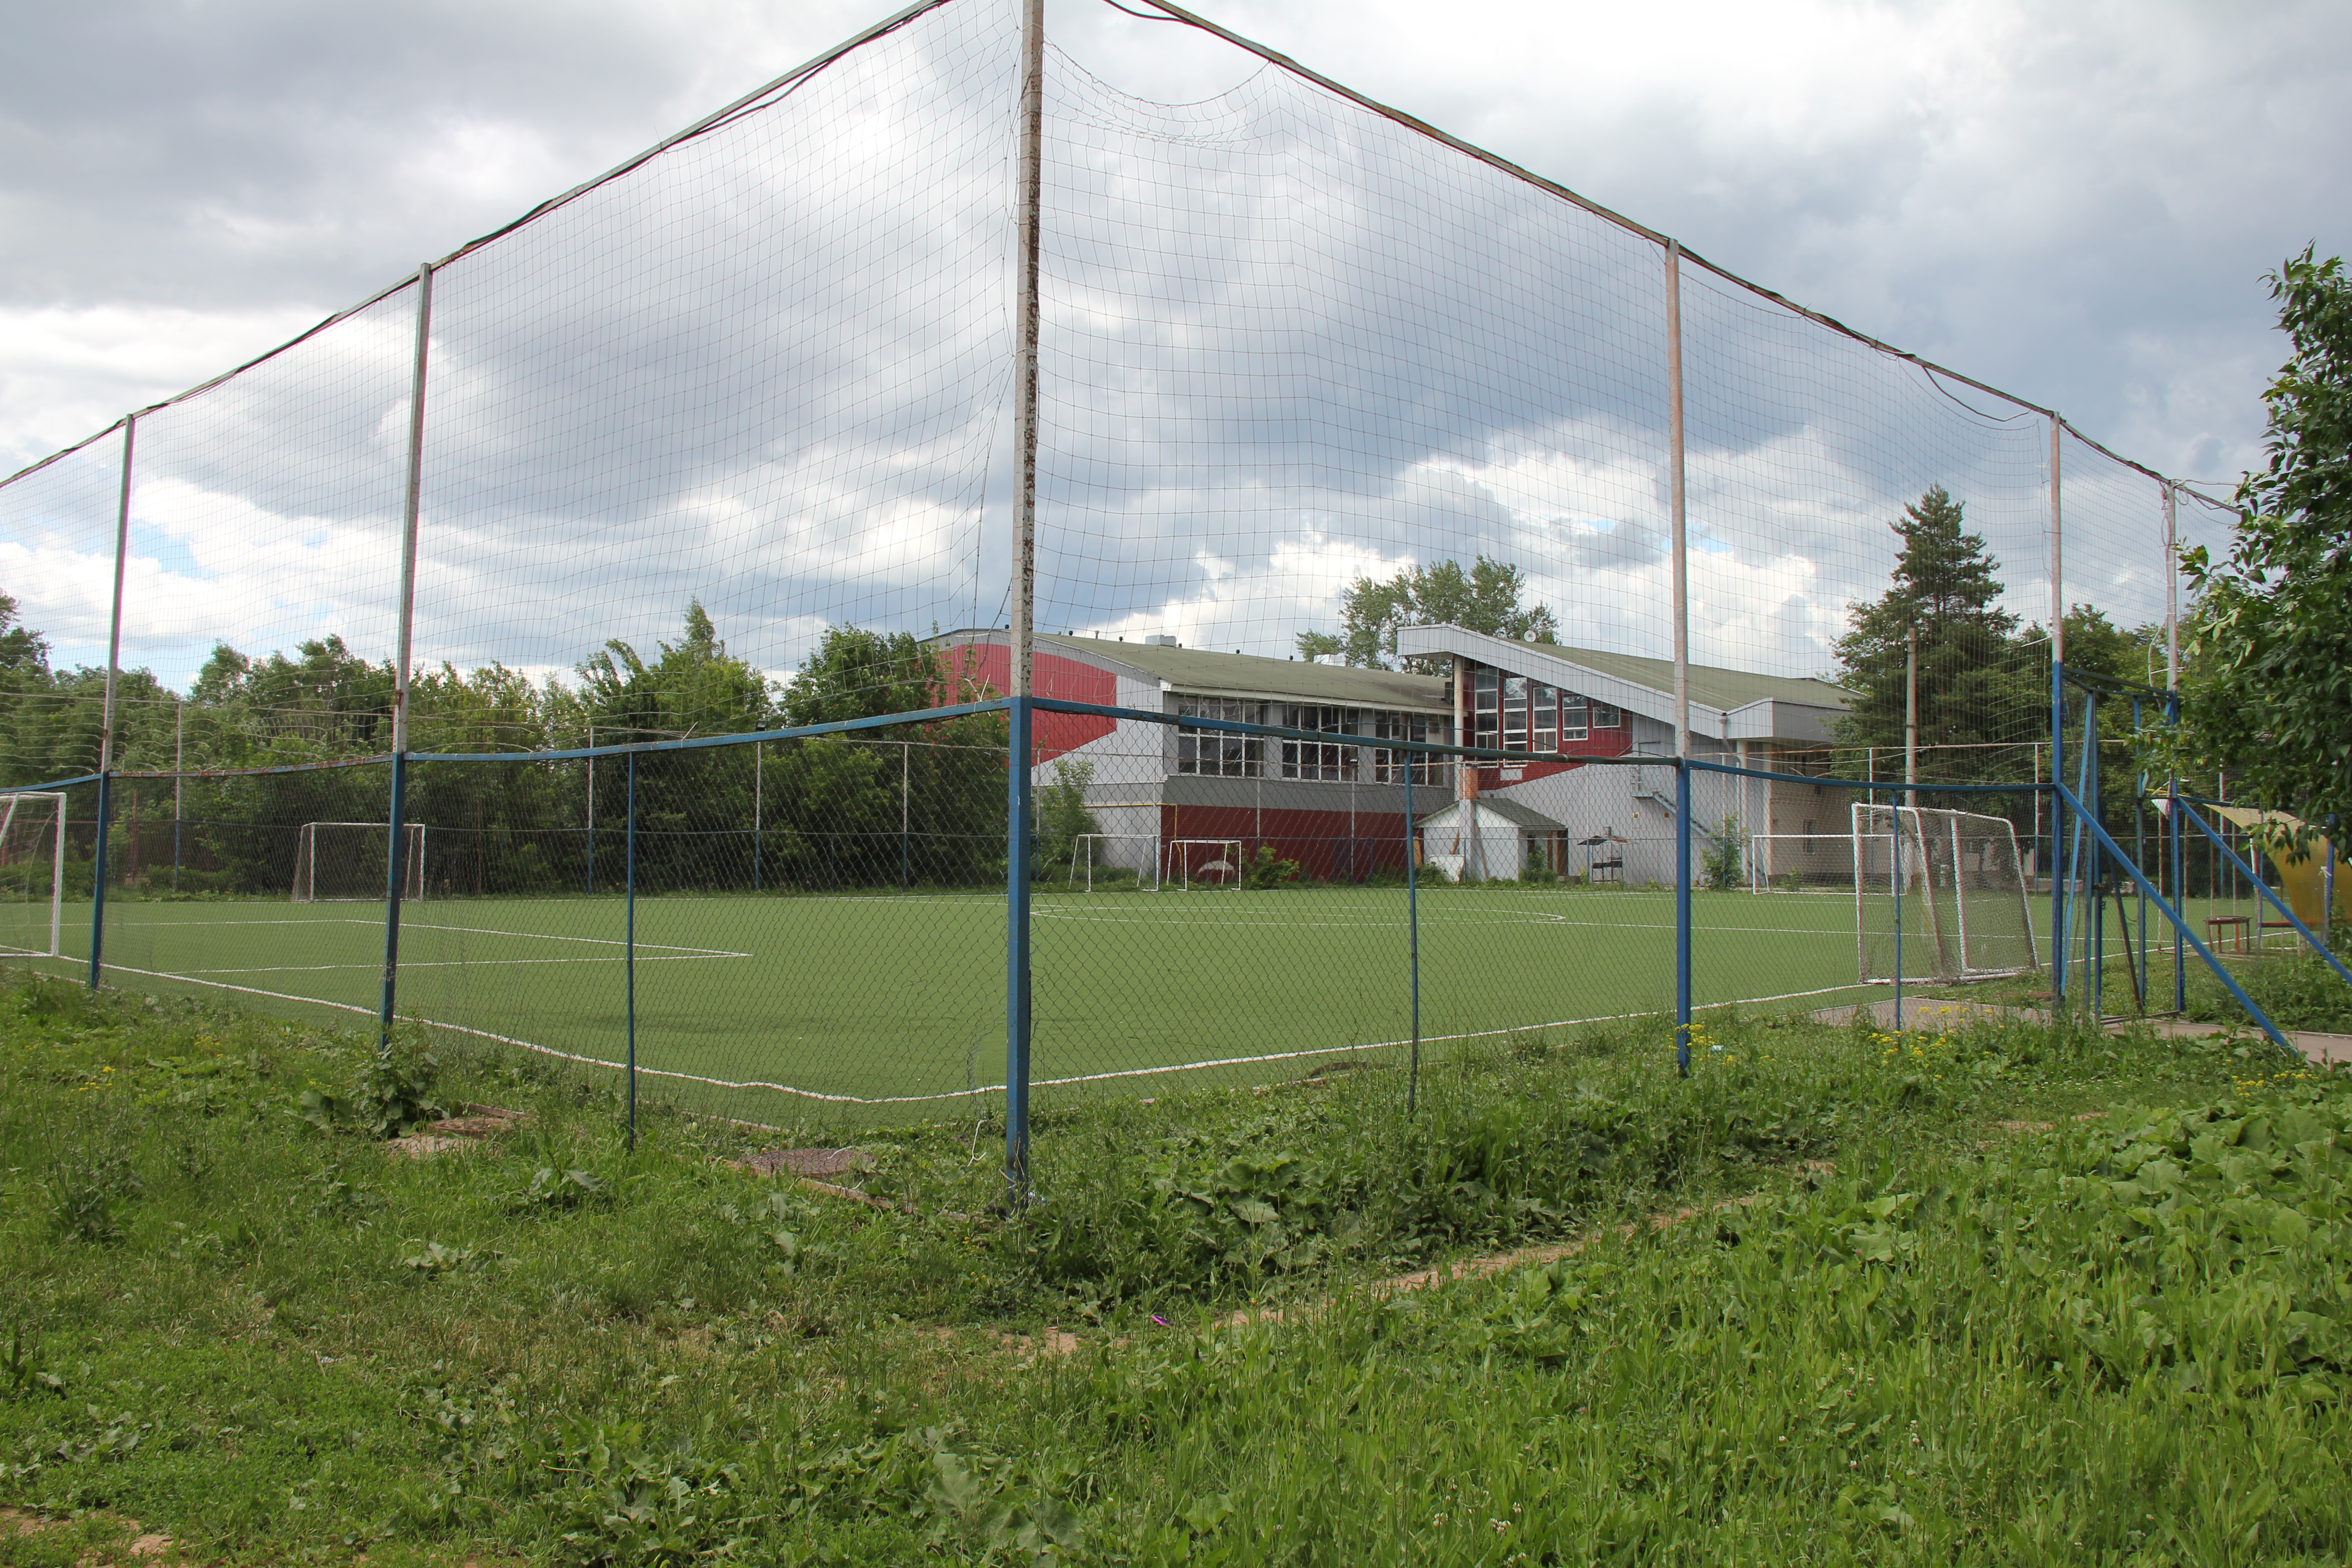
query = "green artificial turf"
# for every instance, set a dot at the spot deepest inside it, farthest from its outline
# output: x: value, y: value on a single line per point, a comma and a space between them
x: 769, y: 1008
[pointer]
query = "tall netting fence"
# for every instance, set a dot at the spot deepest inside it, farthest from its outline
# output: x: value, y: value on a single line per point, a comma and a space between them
x: 1471, y: 619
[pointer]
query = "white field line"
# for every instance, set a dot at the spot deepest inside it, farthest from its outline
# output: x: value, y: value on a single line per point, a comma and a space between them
x: 420, y: 925
x: 1527, y: 919
x: 984, y: 1089
x: 409, y: 964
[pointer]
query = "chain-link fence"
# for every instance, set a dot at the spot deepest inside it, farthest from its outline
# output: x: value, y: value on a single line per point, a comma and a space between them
x: 1409, y: 607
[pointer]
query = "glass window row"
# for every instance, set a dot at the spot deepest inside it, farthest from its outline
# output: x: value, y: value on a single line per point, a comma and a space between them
x: 1209, y: 754
x: 1515, y: 713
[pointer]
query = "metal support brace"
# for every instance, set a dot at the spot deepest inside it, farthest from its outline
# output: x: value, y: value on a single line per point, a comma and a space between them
x: 412, y: 494
x: 2180, y: 927
x: 106, y: 721
x: 2264, y: 890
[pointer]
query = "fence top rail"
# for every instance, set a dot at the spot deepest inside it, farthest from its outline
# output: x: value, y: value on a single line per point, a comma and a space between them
x: 2091, y: 681
x: 705, y: 742
x: 51, y: 787
x: 1878, y: 787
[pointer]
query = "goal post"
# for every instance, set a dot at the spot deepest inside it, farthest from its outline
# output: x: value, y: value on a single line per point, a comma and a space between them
x: 342, y: 862
x: 1182, y: 862
x: 1959, y: 881
x: 1101, y: 852
x: 32, y: 872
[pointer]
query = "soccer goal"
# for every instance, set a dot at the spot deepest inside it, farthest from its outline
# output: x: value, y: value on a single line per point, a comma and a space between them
x: 1182, y: 862
x: 32, y: 873
x: 1122, y: 854
x: 1800, y: 863
x: 1962, y: 895
x: 342, y: 862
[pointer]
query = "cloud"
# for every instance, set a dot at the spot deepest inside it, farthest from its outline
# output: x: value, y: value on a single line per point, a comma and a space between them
x: 1286, y: 341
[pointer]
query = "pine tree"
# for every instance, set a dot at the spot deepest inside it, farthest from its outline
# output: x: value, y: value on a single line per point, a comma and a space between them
x: 1947, y: 587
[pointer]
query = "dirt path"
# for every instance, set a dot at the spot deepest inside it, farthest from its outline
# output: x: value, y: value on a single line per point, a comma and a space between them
x: 1057, y: 1342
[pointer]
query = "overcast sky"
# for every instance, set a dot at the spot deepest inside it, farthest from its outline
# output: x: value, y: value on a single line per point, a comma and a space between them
x: 2076, y: 202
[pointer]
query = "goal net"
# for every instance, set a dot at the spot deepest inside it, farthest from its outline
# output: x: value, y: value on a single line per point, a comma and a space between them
x: 337, y: 862
x: 32, y: 873
x: 1958, y: 883
x: 1215, y: 861
x: 1800, y: 863
x: 1113, y: 860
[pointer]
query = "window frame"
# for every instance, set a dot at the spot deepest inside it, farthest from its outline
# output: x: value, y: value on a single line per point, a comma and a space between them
x: 1319, y: 761
x: 1235, y: 756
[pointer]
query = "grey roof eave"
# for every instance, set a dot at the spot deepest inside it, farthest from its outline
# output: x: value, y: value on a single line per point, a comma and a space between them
x: 1551, y: 663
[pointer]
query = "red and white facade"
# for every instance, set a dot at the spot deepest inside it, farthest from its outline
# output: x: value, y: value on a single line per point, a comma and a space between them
x: 1337, y: 809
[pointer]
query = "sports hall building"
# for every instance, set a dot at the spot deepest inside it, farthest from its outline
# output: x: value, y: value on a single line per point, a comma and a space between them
x: 1167, y: 798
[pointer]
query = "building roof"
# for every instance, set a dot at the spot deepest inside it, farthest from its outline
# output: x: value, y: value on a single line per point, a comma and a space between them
x: 1716, y: 687
x: 1209, y: 673
x: 1509, y: 810
x: 1732, y: 702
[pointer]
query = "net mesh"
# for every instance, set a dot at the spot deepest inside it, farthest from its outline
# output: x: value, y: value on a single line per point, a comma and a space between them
x: 1344, y: 434
x: 344, y: 862
x: 1951, y: 884
x: 32, y: 867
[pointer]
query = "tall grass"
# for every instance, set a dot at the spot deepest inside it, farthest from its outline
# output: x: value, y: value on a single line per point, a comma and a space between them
x: 226, y: 1310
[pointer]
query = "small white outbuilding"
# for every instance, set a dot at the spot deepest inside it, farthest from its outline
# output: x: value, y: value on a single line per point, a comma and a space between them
x: 1491, y: 839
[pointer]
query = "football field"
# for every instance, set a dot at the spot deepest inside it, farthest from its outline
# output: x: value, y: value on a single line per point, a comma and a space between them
x: 778, y: 1005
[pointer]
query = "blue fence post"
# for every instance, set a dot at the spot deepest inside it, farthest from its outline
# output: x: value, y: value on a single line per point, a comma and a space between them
x: 2094, y: 803
x: 1016, y: 948
x: 1681, y: 915
x: 2180, y: 902
x: 2139, y: 850
x: 98, y: 880
x: 2085, y: 806
x: 388, y: 1006
x: 2057, y: 835
x: 1413, y: 935
x: 630, y: 960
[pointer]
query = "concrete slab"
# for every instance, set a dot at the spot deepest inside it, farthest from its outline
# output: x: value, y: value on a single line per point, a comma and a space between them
x: 1927, y: 1013
x: 1930, y: 1013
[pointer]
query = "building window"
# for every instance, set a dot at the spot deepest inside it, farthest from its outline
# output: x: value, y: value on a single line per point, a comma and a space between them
x: 1575, y: 716
x: 1485, y: 694
x: 1330, y: 761
x: 1389, y: 767
x: 1515, y: 712
x: 1208, y: 753
x: 1606, y: 717
x: 1547, y: 718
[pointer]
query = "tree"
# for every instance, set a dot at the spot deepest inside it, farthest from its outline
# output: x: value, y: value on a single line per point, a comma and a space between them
x: 1062, y: 814
x: 1485, y: 598
x: 24, y: 652
x: 1947, y: 587
x: 2266, y: 684
x: 839, y: 800
x: 860, y: 674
